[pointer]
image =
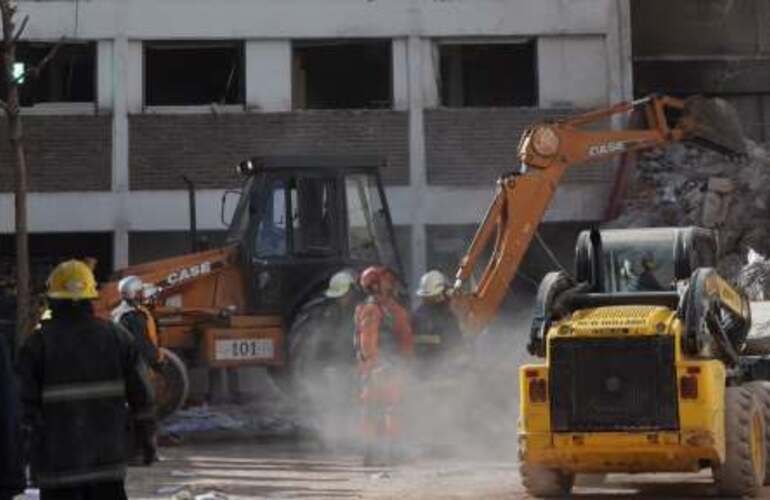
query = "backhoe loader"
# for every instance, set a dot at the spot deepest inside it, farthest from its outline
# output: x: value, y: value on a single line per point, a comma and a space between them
x: 299, y: 220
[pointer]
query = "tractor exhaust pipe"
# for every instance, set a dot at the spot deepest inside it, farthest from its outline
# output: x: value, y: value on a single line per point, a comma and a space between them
x: 193, y: 214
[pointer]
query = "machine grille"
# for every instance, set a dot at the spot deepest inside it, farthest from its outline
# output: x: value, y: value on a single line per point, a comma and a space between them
x: 613, y: 384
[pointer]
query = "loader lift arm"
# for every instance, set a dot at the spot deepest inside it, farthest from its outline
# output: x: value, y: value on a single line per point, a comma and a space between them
x: 545, y: 152
x: 179, y: 275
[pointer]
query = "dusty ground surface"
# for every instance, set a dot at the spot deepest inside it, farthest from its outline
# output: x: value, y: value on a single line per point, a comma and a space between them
x: 287, y: 469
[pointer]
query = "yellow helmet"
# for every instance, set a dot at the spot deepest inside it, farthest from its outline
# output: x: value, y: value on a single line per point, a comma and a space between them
x: 72, y: 280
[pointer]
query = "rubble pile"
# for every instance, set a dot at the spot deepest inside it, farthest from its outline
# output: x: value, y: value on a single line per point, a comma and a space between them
x: 684, y: 185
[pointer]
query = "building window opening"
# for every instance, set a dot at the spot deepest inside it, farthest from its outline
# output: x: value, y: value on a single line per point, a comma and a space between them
x: 487, y: 75
x: 68, y: 77
x: 193, y: 73
x: 342, y: 74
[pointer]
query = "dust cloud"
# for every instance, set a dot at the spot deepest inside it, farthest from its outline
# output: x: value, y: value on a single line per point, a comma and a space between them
x: 463, y: 407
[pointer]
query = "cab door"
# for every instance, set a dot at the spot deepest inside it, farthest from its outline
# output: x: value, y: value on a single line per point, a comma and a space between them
x: 296, y: 242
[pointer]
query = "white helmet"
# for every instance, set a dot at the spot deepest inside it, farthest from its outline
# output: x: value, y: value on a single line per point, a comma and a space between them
x: 340, y: 284
x: 432, y: 284
x: 130, y: 287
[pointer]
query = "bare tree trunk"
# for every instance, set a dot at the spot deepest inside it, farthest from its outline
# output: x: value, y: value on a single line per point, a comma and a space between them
x: 11, y: 107
x: 23, y: 297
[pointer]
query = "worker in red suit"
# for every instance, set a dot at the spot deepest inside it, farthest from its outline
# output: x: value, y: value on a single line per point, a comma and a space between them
x: 384, y: 343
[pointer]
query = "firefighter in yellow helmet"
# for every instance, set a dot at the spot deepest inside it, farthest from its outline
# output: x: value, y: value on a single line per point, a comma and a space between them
x: 79, y: 375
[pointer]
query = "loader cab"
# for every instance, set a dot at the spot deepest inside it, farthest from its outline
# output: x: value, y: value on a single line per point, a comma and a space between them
x: 642, y: 260
x: 300, y: 219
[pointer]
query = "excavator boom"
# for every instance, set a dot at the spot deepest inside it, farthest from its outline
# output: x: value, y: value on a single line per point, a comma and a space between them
x: 546, y: 151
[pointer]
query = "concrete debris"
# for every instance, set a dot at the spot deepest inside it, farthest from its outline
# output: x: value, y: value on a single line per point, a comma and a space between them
x: 684, y: 185
x: 754, y: 277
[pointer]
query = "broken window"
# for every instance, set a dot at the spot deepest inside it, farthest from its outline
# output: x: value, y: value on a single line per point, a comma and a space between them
x: 70, y: 76
x: 480, y: 75
x: 193, y: 73
x: 342, y: 74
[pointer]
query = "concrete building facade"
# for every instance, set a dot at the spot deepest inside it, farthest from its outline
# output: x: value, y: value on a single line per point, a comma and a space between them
x: 441, y: 88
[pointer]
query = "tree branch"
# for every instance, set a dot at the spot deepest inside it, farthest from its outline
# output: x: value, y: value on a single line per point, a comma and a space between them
x: 21, y: 29
x: 35, y: 70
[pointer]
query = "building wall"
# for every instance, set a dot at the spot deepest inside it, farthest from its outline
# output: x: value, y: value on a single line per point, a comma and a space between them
x: 207, y: 147
x: 442, y: 161
x: 62, y: 152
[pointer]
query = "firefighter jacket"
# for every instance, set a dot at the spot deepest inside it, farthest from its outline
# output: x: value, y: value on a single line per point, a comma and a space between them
x: 12, y: 478
x: 139, y: 322
x: 435, y: 324
x: 383, y: 332
x: 77, y: 374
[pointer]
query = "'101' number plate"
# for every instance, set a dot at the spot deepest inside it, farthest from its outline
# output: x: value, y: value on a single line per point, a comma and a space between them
x: 243, y: 349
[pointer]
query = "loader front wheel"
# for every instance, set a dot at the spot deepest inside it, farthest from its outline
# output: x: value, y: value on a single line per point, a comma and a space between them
x: 542, y: 482
x: 761, y: 390
x: 743, y: 472
x: 172, y: 384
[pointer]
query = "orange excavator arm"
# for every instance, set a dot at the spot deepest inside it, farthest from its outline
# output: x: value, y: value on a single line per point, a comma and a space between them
x: 545, y: 152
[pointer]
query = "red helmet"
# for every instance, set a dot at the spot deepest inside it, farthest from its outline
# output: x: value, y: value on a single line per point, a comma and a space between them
x: 372, y: 276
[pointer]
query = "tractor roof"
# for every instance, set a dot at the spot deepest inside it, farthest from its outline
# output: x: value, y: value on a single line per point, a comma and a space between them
x: 315, y: 161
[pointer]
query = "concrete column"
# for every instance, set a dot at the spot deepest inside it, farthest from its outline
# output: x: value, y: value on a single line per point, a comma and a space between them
x: 400, y: 66
x: 268, y: 75
x: 429, y: 68
x: 104, y: 75
x: 120, y: 171
x: 573, y: 71
x: 620, y: 73
x: 134, y: 63
x: 417, y: 163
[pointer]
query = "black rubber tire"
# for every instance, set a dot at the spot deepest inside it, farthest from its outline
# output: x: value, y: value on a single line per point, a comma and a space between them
x: 172, y: 384
x: 542, y: 482
x: 741, y: 475
x: 761, y: 390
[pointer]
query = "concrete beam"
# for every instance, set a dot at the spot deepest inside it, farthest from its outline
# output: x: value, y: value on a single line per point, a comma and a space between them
x: 149, y: 19
x: 167, y: 210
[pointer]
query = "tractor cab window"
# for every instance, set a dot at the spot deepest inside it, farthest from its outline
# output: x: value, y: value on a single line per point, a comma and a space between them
x: 313, y: 211
x: 271, y: 232
x: 368, y: 232
x: 643, y: 265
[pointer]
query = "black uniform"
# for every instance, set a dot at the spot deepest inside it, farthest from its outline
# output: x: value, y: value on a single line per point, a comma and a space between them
x: 77, y: 374
x: 11, y: 471
x: 135, y: 322
x: 436, y: 330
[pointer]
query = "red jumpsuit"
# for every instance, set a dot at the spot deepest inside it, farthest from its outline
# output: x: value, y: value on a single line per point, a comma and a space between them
x: 385, y: 340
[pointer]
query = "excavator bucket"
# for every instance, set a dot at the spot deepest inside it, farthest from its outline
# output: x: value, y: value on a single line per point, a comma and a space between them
x: 714, y: 124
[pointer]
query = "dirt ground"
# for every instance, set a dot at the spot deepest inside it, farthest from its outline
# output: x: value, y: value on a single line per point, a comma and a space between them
x: 286, y: 469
